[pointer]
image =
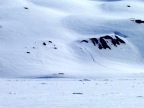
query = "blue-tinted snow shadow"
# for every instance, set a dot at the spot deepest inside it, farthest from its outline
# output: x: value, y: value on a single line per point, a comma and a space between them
x: 86, y: 26
x: 120, y: 34
x: 46, y: 77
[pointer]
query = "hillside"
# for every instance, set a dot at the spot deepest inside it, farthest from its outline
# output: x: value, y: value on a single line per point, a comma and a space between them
x: 71, y: 38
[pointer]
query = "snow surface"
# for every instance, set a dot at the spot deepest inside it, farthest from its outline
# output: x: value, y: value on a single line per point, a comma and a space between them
x: 45, y: 64
x: 26, y: 24
x: 68, y: 93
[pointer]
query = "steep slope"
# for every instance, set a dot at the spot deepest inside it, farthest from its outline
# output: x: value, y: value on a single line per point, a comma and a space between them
x: 47, y: 38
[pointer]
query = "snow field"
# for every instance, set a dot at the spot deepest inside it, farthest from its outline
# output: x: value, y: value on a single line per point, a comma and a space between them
x: 63, y: 93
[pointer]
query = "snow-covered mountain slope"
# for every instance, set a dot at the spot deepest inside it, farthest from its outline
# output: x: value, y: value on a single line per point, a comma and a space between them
x: 49, y: 38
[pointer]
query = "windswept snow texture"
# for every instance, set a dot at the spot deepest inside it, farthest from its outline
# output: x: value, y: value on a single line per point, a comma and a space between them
x: 68, y: 93
x: 41, y: 38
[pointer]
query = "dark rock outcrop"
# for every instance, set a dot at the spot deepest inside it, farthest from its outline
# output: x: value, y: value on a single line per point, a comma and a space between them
x: 94, y: 41
x: 119, y: 40
x: 84, y: 41
x: 106, y: 41
x: 138, y: 21
x: 103, y: 43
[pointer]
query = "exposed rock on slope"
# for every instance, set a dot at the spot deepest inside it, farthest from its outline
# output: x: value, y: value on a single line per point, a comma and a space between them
x: 105, y: 42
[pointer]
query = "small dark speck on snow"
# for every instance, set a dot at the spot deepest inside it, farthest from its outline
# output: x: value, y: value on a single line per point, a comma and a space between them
x: 50, y: 41
x: 140, y: 96
x: 78, y: 93
x: 25, y: 7
x: 43, y: 83
x: 28, y: 52
x: 44, y: 43
x: 86, y: 80
x: 55, y: 47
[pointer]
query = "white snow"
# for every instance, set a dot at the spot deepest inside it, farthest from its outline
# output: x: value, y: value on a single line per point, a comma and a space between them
x: 68, y: 93
x: 65, y: 23
x: 44, y: 64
